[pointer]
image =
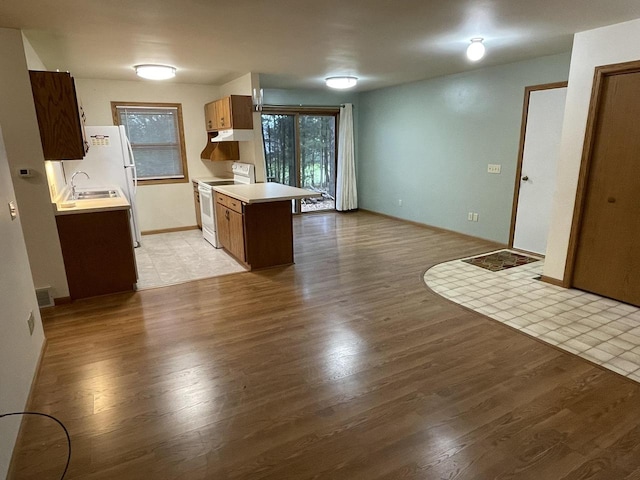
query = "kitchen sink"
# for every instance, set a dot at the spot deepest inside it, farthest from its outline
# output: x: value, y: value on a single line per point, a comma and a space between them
x: 96, y: 194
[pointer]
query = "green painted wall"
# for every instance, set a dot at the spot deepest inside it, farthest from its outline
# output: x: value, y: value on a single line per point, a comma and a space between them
x: 333, y: 98
x: 428, y: 144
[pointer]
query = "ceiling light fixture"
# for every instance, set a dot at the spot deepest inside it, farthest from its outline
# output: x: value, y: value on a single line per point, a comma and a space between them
x: 475, y: 51
x: 155, y: 72
x: 341, y: 82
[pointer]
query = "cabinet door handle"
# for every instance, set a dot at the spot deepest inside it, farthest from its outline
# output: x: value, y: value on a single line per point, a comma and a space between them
x: 226, y: 214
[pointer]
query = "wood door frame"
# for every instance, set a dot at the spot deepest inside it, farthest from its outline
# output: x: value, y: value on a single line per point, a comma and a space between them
x: 587, y: 152
x: 523, y: 133
x: 181, y: 139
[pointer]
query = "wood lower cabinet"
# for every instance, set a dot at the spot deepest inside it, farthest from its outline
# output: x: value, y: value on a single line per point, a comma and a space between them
x: 97, y: 249
x: 236, y: 235
x: 259, y: 235
x: 230, y: 226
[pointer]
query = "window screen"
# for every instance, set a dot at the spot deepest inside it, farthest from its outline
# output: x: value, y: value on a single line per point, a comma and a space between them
x: 155, y: 133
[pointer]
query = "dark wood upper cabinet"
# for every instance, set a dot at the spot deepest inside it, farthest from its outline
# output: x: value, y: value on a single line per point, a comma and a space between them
x: 59, y: 115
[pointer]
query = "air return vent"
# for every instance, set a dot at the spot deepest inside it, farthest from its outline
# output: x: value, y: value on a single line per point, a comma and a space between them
x: 44, y: 297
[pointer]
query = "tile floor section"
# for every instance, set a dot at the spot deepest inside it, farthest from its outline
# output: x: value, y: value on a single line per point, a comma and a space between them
x: 178, y: 257
x: 601, y: 330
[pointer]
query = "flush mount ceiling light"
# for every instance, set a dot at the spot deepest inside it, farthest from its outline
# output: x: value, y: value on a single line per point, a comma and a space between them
x: 475, y: 51
x: 341, y: 82
x: 155, y: 72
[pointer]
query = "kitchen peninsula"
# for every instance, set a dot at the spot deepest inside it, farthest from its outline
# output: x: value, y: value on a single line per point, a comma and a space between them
x: 254, y: 222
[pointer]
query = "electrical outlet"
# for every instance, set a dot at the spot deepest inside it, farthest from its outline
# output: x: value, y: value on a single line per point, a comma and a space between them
x: 31, y: 322
x: 475, y: 217
x: 399, y: 202
x: 470, y: 216
x: 494, y: 168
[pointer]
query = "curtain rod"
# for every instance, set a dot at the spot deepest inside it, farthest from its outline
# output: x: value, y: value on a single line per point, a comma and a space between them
x: 317, y: 107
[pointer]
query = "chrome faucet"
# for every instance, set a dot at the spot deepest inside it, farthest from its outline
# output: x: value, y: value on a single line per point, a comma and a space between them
x: 73, y: 187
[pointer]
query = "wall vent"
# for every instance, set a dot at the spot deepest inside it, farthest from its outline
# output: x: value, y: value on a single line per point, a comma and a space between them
x: 44, y: 297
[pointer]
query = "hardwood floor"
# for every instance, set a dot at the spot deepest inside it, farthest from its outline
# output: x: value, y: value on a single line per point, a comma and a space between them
x: 343, y: 366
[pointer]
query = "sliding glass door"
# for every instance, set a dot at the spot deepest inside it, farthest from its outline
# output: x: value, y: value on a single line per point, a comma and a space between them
x: 300, y: 150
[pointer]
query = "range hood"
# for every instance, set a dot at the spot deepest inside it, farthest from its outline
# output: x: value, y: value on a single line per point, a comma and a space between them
x: 237, y: 135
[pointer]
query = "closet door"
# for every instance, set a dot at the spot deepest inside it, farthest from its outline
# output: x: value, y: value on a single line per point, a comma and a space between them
x: 536, y: 182
x: 607, y: 260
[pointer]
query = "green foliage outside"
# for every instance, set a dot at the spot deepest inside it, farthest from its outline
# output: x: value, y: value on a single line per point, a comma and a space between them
x: 317, y: 150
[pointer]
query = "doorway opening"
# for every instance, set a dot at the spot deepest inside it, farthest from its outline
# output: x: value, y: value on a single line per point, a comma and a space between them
x: 301, y: 151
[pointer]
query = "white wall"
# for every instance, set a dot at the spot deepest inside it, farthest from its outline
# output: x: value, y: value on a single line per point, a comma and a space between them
x: 240, y: 86
x: 168, y: 205
x: 22, y: 141
x: 602, y: 46
x: 19, y: 351
x: 250, y: 152
x: 33, y: 60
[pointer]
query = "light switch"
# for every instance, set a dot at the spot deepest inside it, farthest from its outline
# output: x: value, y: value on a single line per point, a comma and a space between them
x: 494, y: 168
x: 13, y: 210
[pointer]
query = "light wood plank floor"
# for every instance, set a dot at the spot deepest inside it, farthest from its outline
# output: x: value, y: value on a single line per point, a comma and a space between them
x: 344, y: 366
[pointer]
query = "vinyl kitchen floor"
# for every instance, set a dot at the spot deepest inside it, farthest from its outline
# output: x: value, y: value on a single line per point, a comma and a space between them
x: 178, y: 257
x: 599, y: 329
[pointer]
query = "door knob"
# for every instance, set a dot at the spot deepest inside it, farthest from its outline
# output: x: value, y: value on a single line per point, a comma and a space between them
x: 525, y: 178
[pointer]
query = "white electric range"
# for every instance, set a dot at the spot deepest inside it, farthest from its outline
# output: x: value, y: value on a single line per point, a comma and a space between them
x: 243, y: 173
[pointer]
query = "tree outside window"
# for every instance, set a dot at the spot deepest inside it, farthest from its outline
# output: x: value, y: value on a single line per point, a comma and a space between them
x: 301, y: 150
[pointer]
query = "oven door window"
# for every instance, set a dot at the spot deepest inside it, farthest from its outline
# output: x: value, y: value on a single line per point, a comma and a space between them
x: 206, y: 207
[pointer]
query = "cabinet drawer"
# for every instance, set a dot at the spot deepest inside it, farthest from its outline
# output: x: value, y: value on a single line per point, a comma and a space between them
x: 234, y: 204
x: 229, y: 202
x: 221, y: 199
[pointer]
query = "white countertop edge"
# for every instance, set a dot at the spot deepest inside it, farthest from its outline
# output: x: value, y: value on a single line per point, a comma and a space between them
x: 211, y: 179
x: 264, y: 192
x: 92, y: 206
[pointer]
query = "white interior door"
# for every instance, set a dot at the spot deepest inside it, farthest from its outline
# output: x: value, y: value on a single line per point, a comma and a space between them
x: 538, y: 174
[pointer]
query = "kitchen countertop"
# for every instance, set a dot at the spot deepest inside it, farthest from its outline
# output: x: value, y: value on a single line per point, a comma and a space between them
x: 65, y: 206
x: 264, y: 192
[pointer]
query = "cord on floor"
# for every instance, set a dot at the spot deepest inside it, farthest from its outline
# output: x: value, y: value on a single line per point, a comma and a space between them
x: 59, y: 423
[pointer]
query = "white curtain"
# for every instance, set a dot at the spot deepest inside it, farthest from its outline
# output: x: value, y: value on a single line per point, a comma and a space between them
x: 346, y: 191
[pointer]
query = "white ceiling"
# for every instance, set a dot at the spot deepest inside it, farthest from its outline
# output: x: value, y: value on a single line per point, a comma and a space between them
x: 297, y: 43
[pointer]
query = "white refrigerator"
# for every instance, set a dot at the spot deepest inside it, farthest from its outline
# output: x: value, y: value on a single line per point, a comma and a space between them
x: 109, y: 162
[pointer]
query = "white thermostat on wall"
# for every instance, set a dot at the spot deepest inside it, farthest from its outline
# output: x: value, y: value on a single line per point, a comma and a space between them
x: 25, y: 172
x: 100, y: 140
